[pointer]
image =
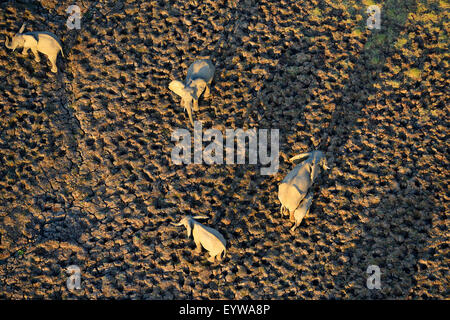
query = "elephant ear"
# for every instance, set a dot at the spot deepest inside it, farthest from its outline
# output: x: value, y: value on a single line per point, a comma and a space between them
x: 199, y: 85
x: 177, y: 87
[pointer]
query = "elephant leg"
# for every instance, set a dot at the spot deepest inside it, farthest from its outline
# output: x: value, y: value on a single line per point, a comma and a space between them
x: 53, y: 62
x: 291, y: 216
x: 36, y: 55
x: 301, y: 218
x: 284, y: 211
x: 219, y: 256
x: 211, y: 258
x: 207, y: 92
x: 294, y: 227
x: 25, y: 51
x: 198, y: 247
x: 297, y: 223
x: 195, y: 105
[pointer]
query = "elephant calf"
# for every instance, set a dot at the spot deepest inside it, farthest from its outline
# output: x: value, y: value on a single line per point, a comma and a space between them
x: 204, y: 236
x: 38, y: 41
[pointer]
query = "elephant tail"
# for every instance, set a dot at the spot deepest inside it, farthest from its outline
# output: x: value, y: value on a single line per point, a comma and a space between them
x: 60, y: 48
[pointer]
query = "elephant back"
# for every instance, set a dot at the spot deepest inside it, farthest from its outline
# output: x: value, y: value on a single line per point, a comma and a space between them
x: 37, y: 34
x: 210, y: 238
x: 200, y: 69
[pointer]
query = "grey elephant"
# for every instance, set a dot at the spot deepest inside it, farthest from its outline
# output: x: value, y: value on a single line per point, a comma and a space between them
x: 207, y: 237
x: 294, y: 187
x: 198, y: 80
x: 37, y: 41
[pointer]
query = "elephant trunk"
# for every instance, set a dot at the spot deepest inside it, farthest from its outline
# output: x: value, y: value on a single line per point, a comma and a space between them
x: 188, y: 107
x: 176, y: 224
x: 7, y: 44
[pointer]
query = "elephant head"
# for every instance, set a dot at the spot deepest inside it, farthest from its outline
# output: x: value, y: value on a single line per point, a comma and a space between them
x: 17, y: 40
x: 315, y: 159
x: 188, y: 222
x: 189, y: 94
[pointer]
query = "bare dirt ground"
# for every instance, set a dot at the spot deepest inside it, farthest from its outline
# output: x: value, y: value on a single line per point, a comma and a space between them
x: 86, y: 176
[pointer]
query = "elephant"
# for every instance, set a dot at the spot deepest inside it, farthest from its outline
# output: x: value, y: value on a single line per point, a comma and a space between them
x: 207, y: 237
x: 198, y: 80
x: 294, y: 187
x: 37, y: 41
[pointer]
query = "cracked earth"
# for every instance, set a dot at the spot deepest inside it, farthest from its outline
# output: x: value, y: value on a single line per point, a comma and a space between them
x: 86, y: 176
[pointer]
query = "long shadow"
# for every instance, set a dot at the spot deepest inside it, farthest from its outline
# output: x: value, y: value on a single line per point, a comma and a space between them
x: 388, y: 223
